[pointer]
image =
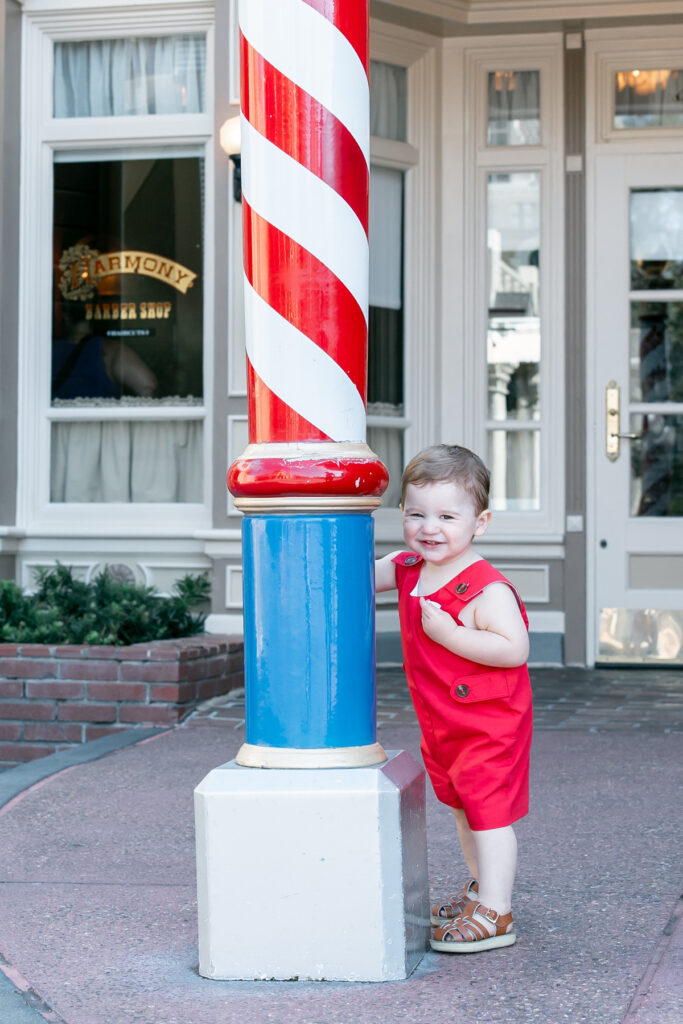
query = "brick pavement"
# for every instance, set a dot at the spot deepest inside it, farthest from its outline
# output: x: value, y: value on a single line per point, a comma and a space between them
x: 564, y: 698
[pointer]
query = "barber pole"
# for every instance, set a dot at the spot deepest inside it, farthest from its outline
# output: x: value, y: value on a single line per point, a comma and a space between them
x: 307, y: 482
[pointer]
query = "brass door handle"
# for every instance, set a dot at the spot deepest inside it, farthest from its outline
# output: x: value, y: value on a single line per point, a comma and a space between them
x: 629, y: 437
x: 612, y: 415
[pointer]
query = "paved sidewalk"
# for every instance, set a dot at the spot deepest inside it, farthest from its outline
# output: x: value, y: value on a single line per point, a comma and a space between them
x: 97, y: 887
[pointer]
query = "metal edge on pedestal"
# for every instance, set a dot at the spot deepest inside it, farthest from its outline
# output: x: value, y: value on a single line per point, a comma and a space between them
x: 301, y: 503
x: 251, y: 755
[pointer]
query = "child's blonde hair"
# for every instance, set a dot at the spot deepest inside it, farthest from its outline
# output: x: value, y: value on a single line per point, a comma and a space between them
x: 449, y: 462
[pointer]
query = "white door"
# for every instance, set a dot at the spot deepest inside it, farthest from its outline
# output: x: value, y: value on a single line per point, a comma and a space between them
x: 636, y: 341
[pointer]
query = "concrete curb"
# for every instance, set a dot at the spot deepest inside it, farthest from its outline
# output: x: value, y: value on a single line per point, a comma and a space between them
x: 18, y: 1005
x: 15, y: 780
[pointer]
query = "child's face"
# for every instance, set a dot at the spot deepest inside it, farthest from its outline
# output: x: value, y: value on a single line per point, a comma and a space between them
x: 439, y: 521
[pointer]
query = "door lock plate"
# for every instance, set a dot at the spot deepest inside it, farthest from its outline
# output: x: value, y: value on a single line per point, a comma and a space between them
x: 612, y: 421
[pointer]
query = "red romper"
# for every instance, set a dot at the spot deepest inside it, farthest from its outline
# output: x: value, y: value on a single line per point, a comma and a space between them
x: 476, y: 720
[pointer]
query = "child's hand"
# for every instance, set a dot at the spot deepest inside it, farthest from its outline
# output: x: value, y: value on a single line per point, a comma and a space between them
x: 437, y: 624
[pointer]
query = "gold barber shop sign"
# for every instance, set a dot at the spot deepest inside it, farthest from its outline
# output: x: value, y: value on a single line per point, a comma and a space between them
x: 82, y: 268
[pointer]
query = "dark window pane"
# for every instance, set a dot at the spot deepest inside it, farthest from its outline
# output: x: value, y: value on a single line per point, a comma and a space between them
x: 656, y: 465
x: 385, y: 356
x: 656, y: 351
x: 127, y: 297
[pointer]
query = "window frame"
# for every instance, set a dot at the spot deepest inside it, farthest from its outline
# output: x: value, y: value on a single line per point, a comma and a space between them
x: 465, y: 297
x: 418, y: 159
x: 605, y: 57
x: 43, y: 136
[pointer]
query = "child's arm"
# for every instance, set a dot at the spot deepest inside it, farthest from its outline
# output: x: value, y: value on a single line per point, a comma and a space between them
x: 499, y: 637
x: 385, y: 572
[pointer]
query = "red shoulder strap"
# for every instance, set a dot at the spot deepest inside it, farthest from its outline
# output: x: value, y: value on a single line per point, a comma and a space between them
x: 470, y: 583
x: 407, y: 567
x: 406, y: 558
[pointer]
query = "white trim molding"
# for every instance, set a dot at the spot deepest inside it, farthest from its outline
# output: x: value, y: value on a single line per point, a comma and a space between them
x: 231, y: 625
x: 488, y: 12
x: 155, y: 13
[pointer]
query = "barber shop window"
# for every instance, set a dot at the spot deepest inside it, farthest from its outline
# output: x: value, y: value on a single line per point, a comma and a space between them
x: 127, y: 329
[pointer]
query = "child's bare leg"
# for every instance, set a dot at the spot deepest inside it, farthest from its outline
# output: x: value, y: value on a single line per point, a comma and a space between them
x: 496, y: 856
x: 467, y: 841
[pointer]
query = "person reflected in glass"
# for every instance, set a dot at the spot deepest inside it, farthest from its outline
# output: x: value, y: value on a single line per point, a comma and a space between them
x: 85, y: 365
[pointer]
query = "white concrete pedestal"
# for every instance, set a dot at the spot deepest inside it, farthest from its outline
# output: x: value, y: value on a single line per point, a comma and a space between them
x: 312, y: 874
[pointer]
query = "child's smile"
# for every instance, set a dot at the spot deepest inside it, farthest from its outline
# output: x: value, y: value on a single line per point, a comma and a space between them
x: 439, y: 521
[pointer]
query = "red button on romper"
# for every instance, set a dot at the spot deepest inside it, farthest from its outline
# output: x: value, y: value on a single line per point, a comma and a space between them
x: 476, y: 720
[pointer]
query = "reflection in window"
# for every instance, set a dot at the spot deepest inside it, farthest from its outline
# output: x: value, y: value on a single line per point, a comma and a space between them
x: 514, y: 111
x: 119, y: 77
x: 656, y: 356
x: 514, y: 337
x: 648, y: 98
x: 127, y: 326
x: 385, y: 328
x: 514, y: 458
x: 656, y: 465
x: 656, y: 238
x: 388, y: 101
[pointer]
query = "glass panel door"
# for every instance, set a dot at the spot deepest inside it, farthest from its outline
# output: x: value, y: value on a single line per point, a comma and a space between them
x: 656, y: 352
x: 639, y: 456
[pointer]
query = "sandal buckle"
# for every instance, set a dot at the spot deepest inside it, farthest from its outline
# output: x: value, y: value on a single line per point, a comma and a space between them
x: 491, y: 915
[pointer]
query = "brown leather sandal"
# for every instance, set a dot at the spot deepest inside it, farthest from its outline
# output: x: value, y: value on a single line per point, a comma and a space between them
x: 478, y: 928
x: 454, y: 905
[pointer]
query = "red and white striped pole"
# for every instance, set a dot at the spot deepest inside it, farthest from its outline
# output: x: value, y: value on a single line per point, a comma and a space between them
x: 305, y: 175
x: 307, y: 483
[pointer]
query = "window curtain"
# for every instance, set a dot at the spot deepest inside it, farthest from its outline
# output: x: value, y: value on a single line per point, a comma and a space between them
x: 117, y: 77
x: 127, y: 461
x: 388, y: 101
x: 647, y: 99
x: 386, y: 237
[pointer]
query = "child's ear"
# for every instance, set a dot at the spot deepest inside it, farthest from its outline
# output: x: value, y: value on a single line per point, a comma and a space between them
x: 483, y: 520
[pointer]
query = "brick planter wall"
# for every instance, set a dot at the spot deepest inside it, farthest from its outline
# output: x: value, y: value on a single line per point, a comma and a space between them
x: 53, y: 697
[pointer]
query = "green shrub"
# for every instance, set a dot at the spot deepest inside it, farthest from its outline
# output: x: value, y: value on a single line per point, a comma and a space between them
x: 65, y: 610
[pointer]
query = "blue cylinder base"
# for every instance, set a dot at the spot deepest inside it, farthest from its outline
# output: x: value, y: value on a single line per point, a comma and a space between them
x: 309, y: 596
